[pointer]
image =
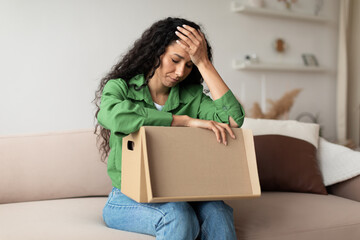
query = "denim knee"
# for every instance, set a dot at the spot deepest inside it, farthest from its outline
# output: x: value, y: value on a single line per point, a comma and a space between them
x: 216, y: 219
x: 179, y: 222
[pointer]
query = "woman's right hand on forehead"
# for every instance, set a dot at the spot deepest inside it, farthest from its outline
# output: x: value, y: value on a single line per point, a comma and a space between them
x: 193, y: 41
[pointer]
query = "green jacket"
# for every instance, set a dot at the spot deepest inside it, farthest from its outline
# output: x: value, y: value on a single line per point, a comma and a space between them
x: 124, y: 110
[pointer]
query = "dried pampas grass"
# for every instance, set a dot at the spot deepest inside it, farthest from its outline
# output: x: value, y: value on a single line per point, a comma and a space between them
x: 279, y: 109
x: 256, y: 111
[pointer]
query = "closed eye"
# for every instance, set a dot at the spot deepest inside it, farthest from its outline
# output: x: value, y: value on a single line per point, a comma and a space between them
x: 188, y: 65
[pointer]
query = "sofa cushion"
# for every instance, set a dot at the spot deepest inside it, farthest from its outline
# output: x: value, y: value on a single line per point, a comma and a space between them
x: 286, y: 155
x: 273, y: 216
x: 51, y: 165
x: 65, y: 219
x: 348, y: 189
x: 296, y: 216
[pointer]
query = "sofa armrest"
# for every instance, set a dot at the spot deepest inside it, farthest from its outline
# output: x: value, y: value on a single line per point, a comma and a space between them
x: 348, y: 189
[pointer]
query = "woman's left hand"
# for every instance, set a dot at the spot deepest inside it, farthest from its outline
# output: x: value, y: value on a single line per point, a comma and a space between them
x: 193, y: 41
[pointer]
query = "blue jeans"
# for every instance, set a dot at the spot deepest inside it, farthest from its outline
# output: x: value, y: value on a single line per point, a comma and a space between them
x: 170, y: 221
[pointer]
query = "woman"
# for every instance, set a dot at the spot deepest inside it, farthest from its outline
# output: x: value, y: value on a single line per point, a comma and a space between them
x: 158, y: 82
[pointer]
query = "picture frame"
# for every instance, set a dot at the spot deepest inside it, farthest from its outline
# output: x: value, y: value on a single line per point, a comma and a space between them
x: 309, y: 59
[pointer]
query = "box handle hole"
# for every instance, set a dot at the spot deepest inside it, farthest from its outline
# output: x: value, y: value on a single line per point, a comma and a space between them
x: 130, y: 145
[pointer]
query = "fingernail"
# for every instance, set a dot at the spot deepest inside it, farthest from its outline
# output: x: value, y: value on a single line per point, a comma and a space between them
x: 225, y: 143
x: 178, y: 27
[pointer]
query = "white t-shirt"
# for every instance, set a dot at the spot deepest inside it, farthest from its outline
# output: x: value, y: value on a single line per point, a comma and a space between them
x: 158, y: 106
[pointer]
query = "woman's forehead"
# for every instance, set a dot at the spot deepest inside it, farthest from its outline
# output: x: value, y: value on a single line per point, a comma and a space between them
x: 177, y: 50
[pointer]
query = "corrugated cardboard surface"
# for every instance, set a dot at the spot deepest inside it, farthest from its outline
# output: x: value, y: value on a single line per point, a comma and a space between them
x: 188, y: 164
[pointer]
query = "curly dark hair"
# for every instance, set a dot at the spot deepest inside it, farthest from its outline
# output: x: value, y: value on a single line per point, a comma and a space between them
x: 144, y: 58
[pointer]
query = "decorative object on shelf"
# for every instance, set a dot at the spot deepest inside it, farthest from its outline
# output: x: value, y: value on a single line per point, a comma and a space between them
x: 251, y: 59
x: 318, y: 6
x: 288, y: 3
x: 256, y: 3
x: 309, y: 60
x: 279, y: 109
x: 280, y: 45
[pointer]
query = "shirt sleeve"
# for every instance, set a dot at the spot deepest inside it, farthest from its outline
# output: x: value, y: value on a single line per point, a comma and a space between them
x: 221, y: 109
x: 122, y: 116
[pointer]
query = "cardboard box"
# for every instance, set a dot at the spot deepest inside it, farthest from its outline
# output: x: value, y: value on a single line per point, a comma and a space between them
x: 168, y: 164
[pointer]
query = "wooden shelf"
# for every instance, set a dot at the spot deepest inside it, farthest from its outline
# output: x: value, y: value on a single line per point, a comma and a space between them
x: 241, y: 8
x: 239, y: 65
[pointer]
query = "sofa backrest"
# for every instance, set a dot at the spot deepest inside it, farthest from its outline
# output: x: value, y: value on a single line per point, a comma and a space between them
x: 51, y: 166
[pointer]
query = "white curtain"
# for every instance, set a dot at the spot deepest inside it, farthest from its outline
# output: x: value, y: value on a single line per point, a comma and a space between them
x: 342, y: 73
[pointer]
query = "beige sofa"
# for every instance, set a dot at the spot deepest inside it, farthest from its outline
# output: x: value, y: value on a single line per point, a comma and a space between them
x: 54, y: 186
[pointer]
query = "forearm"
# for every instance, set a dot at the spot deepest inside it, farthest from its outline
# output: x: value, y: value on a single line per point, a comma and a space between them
x: 193, y: 42
x: 125, y: 117
x: 180, y: 121
x: 213, y: 80
x: 216, y: 84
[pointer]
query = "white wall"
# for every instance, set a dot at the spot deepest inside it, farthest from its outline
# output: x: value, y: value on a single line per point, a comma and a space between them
x: 53, y: 54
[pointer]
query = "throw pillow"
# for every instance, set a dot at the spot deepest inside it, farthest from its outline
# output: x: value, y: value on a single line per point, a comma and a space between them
x: 337, y: 163
x: 286, y: 155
